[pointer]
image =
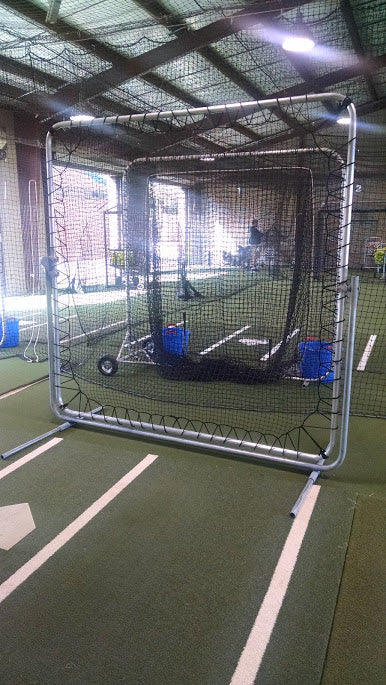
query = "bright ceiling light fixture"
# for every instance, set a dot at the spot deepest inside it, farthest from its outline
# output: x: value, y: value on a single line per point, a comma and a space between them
x: 343, y: 120
x: 299, y: 37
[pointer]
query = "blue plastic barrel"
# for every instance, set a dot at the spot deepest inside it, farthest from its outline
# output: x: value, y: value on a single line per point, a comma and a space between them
x: 11, y: 332
x: 316, y: 360
x: 175, y: 340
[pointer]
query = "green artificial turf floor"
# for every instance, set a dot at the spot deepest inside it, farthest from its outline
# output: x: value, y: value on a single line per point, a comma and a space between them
x: 15, y: 373
x: 163, y: 586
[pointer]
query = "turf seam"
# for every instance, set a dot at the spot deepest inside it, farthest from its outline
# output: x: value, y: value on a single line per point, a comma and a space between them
x: 339, y: 587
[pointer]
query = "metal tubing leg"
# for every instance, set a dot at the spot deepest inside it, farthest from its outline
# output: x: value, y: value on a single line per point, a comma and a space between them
x: 58, y: 429
x: 311, y: 480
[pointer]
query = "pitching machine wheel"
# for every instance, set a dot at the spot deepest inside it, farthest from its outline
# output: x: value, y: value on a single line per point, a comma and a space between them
x: 107, y: 365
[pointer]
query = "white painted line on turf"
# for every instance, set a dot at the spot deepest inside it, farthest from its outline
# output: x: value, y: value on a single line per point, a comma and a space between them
x: 250, y: 342
x: 96, y: 330
x: 23, y: 387
x: 25, y: 571
x: 275, y: 349
x: 221, y: 342
x: 253, y: 652
x: 28, y: 457
x: 366, y: 354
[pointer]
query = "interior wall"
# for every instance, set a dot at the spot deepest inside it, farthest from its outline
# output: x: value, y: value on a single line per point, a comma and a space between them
x: 29, y: 155
x: 14, y: 281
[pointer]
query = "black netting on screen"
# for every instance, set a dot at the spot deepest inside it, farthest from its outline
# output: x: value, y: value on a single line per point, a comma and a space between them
x: 216, y: 278
x: 199, y: 293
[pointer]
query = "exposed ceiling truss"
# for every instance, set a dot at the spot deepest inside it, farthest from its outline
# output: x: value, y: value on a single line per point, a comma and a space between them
x: 32, y: 84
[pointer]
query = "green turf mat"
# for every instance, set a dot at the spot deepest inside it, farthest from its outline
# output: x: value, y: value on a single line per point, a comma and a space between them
x: 164, y: 586
x: 25, y: 415
x: 15, y: 372
x: 160, y: 587
x: 356, y: 649
x: 296, y: 652
x: 363, y: 470
x: 167, y: 579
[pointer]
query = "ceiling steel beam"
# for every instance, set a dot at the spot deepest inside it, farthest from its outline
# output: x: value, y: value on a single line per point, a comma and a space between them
x: 352, y: 28
x: 178, y: 27
x: 42, y: 78
x: 319, y: 83
x: 125, y: 68
x: 361, y: 111
x: 207, y: 123
x: 183, y: 96
x: 311, y: 84
x: 371, y: 107
x: 176, y: 24
x: 107, y: 105
x: 13, y: 66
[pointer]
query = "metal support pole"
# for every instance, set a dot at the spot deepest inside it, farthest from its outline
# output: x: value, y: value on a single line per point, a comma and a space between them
x: 311, y: 480
x: 58, y: 429
x: 39, y: 438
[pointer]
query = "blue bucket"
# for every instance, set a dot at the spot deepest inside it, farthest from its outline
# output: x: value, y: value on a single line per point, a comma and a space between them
x: 316, y: 360
x: 175, y: 340
x: 11, y: 332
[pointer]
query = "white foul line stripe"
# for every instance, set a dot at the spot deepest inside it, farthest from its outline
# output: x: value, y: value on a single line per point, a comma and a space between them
x: 275, y: 349
x: 96, y: 330
x: 220, y: 342
x: 25, y: 571
x: 28, y: 457
x: 23, y: 387
x: 366, y: 354
x: 253, y: 652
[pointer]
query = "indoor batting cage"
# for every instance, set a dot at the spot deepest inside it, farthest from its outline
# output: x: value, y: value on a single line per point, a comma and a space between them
x: 205, y: 298
x: 23, y: 319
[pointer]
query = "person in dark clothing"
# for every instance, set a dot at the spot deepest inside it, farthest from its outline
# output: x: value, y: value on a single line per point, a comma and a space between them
x: 255, y: 240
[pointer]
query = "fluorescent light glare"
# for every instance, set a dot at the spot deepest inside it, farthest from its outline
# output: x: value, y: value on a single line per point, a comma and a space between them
x: 82, y: 117
x: 343, y: 120
x: 297, y: 44
x: 53, y: 11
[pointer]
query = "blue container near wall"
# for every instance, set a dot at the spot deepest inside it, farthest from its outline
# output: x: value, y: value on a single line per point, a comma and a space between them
x: 316, y: 360
x: 11, y: 332
x: 175, y: 340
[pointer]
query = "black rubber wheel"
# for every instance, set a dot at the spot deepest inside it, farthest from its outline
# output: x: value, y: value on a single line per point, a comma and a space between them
x: 107, y: 365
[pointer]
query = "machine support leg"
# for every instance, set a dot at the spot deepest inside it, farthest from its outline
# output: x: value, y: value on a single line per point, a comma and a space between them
x: 310, y: 482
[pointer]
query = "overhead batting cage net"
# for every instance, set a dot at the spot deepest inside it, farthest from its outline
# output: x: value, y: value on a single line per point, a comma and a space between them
x: 23, y: 318
x: 201, y: 298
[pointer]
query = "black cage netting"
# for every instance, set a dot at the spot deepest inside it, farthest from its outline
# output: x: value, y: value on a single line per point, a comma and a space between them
x: 201, y: 293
